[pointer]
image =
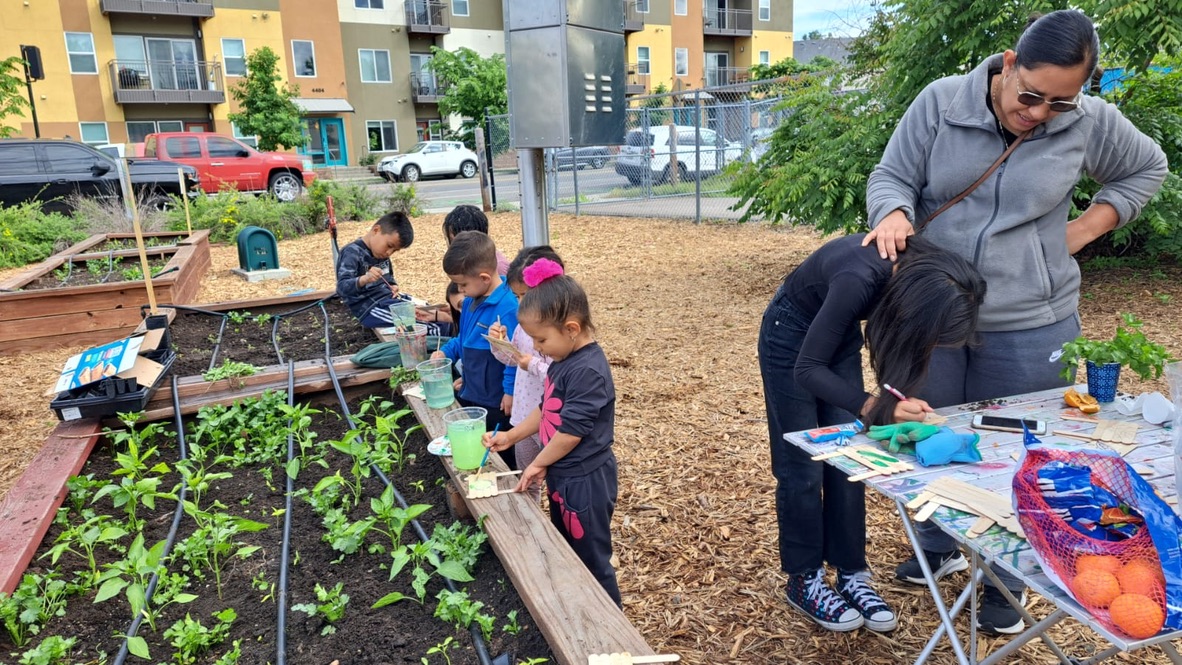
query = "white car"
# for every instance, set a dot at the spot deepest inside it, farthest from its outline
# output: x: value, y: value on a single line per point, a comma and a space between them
x: 429, y: 158
x: 649, y: 158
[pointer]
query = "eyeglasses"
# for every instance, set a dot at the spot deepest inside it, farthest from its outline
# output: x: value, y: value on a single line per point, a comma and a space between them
x: 1027, y: 98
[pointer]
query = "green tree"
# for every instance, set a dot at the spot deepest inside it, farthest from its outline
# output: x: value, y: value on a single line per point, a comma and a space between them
x: 472, y: 84
x: 267, y: 107
x: 12, y: 92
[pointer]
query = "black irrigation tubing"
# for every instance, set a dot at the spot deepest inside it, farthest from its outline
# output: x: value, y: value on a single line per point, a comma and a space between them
x: 69, y: 272
x: 172, y: 530
x: 213, y: 358
x: 275, y: 337
x: 281, y: 621
x: 110, y: 266
x: 477, y: 637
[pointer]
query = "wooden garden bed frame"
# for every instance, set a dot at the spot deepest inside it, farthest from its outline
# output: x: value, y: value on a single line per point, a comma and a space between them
x: 40, y: 319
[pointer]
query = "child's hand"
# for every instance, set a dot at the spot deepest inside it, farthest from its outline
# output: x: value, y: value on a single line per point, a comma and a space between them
x: 532, y: 475
x: 497, y: 330
x: 374, y: 274
x: 507, y: 404
x: 523, y: 360
x: 393, y: 289
x: 458, y: 384
x: 438, y: 354
x: 911, y: 409
x: 498, y: 441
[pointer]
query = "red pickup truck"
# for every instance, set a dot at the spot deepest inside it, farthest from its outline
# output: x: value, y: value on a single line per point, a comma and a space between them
x: 225, y: 163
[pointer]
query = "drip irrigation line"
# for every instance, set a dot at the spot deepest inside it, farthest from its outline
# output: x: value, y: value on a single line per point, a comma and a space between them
x: 285, y: 550
x: 477, y: 637
x: 110, y: 266
x: 172, y: 530
x: 213, y: 358
x: 275, y: 338
x: 69, y: 272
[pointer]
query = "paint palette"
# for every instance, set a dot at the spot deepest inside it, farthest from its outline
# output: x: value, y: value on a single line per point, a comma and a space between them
x: 440, y: 446
x: 484, y: 485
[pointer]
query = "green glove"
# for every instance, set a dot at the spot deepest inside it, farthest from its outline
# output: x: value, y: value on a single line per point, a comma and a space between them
x: 901, y: 436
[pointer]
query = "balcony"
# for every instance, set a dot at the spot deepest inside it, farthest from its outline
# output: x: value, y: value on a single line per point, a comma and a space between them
x: 166, y: 82
x: 193, y: 8
x: 633, y: 18
x: 636, y: 83
x: 425, y: 88
x: 718, y: 76
x: 726, y: 22
x: 430, y: 17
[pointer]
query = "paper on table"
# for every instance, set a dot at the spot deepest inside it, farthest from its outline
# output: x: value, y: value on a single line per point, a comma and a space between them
x: 416, y: 391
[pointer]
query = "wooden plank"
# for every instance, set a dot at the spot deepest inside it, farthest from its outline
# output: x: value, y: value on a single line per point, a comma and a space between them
x: 232, y: 305
x: 125, y: 296
x: 94, y: 322
x: 574, y: 613
x: 27, y: 510
x: 190, y: 386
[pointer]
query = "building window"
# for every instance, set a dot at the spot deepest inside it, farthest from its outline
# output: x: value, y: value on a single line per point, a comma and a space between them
x: 383, y: 135
x: 681, y: 62
x: 137, y: 131
x: 375, y: 65
x: 369, y: 4
x: 80, y: 48
x: 94, y: 133
x: 765, y: 57
x: 459, y: 7
x: 680, y: 7
x: 170, y: 126
x: 252, y: 141
x: 234, y: 57
x: 642, y: 6
x: 765, y: 10
x: 642, y: 60
x: 303, y: 55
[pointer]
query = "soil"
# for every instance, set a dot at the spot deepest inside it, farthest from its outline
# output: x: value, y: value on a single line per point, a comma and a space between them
x: 104, y: 273
x: 300, y: 335
x: 399, y: 633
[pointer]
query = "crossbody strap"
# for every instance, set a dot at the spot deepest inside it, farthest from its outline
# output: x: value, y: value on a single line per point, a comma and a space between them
x: 984, y: 176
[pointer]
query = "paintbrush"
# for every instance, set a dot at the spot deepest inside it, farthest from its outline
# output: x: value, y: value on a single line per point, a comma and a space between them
x: 488, y: 450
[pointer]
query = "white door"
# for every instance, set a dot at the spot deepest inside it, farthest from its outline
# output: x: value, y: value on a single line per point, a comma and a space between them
x: 433, y: 159
x: 716, y: 69
x: 173, y: 63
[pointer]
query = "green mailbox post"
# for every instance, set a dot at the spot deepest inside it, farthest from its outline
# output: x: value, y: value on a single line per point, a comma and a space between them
x: 258, y: 255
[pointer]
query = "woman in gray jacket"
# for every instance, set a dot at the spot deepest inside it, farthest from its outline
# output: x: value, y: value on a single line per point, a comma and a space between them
x: 1014, y: 227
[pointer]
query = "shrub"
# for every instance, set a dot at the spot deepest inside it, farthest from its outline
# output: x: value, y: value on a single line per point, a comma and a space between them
x: 228, y: 212
x: 352, y: 203
x: 404, y: 198
x: 28, y: 235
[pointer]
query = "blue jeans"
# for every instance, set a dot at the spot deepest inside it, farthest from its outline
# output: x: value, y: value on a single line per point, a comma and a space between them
x: 821, y: 515
x: 1003, y: 364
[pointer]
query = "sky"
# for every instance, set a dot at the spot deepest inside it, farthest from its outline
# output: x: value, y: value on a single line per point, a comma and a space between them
x: 840, y: 17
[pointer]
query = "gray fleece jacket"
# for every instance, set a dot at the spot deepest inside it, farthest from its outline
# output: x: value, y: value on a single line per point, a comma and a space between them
x: 1012, y: 227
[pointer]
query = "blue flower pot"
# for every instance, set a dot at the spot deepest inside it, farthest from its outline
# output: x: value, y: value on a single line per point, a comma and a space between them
x: 1102, y: 380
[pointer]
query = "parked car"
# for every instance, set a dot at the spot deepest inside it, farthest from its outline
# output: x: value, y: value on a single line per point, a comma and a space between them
x: 650, y: 157
x: 761, y: 139
x: 224, y: 162
x: 429, y: 158
x: 595, y: 156
x: 123, y: 150
x: 53, y: 171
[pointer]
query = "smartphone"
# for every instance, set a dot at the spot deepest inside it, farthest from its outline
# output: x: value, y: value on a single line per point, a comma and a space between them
x: 1009, y: 424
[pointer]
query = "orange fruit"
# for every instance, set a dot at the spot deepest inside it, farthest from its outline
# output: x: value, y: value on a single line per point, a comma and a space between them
x: 1095, y: 587
x: 1139, y: 616
x: 1141, y: 576
x: 1104, y: 562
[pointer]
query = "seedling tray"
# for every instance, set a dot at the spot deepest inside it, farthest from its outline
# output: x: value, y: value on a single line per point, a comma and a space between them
x: 111, y: 395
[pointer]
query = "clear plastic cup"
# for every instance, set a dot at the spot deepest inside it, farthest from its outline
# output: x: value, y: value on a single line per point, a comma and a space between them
x: 465, y: 433
x: 435, y: 377
x: 412, y: 344
x: 403, y: 313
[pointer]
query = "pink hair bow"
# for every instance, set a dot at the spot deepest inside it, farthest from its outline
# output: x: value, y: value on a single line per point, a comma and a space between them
x: 540, y: 271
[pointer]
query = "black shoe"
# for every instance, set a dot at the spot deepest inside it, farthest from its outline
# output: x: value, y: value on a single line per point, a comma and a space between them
x: 855, y: 589
x: 996, y: 616
x: 810, y: 594
x: 941, y: 563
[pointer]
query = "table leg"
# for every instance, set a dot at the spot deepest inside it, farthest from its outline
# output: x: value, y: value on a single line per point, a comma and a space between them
x: 1037, y: 630
x: 1171, y: 653
x: 974, y: 570
x: 967, y: 595
x: 933, y: 587
x: 1017, y: 605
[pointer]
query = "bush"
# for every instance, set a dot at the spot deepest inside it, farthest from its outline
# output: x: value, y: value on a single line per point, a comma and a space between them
x: 28, y: 235
x: 228, y: 212
x: 403, y: 198
x: 352, y: 203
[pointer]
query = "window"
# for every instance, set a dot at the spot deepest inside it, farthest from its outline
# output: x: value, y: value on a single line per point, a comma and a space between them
x: 680, y: 7
x: 375, y: 65
x: 765, y: 57
x: 94, y: 132
x: 642, y: 6
x: 234, y: 57
x: 369, y: 4
x: 681, y: 62
x: 383, y: 135
x: 303, y: 54
x: 765, y: 10
x: 80, y: 48
x: 252, y: 141
x: 137, y: 131
x: 170, y: 126
x: 183, y: 147
x: 19, y: 160
x: 642, y: 60
x: 459, y: 7
x: 66, y: 158
x: 222, y: 147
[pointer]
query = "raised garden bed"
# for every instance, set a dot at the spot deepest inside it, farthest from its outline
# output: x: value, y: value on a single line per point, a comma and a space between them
x: 64, y: 300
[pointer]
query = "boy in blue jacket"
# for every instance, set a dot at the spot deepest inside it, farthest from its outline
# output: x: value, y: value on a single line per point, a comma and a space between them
x: 471, y: 262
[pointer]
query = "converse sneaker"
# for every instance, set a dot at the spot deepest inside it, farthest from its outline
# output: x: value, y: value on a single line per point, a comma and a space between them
x: 996, y: 616
x: 810, y: 594
x: 855, y: 588
x: 941, y: 563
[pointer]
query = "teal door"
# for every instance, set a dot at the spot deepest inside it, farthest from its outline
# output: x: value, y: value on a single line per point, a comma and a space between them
x: 326, y: 141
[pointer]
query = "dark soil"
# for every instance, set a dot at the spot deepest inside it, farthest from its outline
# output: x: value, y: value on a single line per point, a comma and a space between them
x: 96, y: 271
x: 399, y: 633
x: 247, y: 336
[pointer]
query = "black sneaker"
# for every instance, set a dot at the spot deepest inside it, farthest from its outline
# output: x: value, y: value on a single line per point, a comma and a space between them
x: 810, y: 594
x: 996, y: 616
x: 855, y: 588
x: 941, y: 563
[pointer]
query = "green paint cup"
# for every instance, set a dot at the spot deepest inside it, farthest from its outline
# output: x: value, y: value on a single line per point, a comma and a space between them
x: 465, y: 432
x: 435, y: 377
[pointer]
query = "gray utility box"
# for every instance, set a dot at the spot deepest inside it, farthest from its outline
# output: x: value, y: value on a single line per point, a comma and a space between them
x: 566, y: 72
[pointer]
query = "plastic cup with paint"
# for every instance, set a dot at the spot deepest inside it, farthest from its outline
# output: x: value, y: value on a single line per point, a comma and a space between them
x: 435, y: 377
x: 412, y: 344
x: 1156, y: 408
x: 465, y: 431
x: 403, y: 313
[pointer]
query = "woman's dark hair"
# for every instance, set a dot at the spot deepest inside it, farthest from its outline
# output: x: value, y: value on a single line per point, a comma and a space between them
x: 453, y: 289
x: 1064, y: 38
x: 931, y: 300
x: 525, y: 259
x: 556, y: 301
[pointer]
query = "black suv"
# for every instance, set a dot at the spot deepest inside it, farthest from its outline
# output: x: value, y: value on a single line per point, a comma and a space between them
x: 52, y: 171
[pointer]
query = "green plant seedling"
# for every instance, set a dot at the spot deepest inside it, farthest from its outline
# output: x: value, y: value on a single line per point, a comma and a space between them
x: 53, y: 650
x: 231, y: 370
x: 81, y: 541
x: 131, y: 574
x: 460, y: 610
x: 36, y: 600
x: 330, y: 606
x: 441, y: 649
x: 511, y: 626
x: 191, y: 639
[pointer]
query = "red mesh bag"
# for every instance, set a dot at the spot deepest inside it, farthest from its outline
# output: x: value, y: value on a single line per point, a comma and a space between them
x: 1120, y: 582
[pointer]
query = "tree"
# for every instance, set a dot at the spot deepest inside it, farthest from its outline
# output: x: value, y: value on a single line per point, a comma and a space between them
x: 472, y: 84
x: 813, y: 34
x: 266, y: 102
x: 12, y: 93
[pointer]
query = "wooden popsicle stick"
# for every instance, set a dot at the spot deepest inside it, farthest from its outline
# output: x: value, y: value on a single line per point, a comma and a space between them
x: 829, y: 455
x: 979, y: 527
x: 1075, y: 435
x: 918, y: 501
x: 927, y: 511
x: 869, y: 474
x: 1080, y: 419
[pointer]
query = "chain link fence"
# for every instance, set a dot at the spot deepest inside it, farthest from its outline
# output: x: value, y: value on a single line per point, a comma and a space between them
x: 673, y: 162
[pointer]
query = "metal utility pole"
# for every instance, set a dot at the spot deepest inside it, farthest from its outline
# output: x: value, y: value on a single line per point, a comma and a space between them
x: 31, y: 57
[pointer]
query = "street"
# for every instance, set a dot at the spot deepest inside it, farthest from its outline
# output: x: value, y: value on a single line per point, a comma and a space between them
x: 440, y: 193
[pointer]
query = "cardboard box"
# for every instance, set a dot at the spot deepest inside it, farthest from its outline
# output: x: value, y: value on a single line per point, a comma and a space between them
x: 113, y: 378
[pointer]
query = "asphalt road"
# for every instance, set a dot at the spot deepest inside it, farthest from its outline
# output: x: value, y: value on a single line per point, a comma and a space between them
x: 445, y: 193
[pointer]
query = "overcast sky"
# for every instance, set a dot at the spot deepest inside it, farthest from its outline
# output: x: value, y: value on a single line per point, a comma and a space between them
x: 841, y: 17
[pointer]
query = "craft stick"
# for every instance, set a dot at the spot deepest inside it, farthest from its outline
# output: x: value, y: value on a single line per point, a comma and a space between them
x: 979, y: 527
x: 869, y: 474
x: 828, y: 455
x: 1076, y: 435
x: 926, y: 512
x: 918, y: 501
x: 1080, y: 419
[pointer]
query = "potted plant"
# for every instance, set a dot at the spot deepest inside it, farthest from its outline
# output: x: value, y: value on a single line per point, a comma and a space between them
x: 1104, y: 358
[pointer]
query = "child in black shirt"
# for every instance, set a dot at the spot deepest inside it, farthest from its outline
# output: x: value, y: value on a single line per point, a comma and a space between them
x: 575, y: 422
